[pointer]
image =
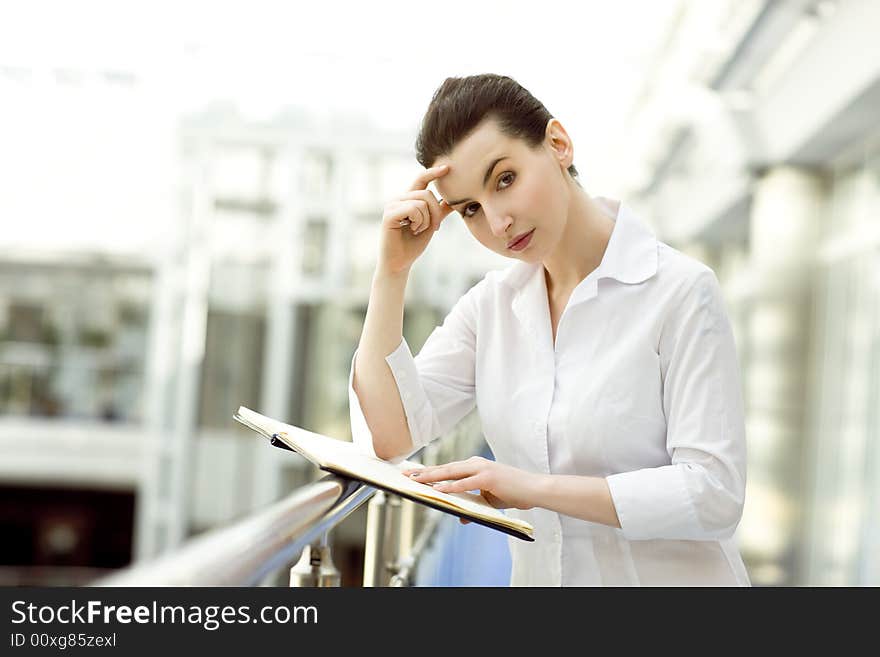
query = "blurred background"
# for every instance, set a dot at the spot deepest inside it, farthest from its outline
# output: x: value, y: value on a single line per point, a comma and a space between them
x: 189, y: 201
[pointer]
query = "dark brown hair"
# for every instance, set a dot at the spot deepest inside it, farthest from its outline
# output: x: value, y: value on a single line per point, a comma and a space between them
x: 460, y: 104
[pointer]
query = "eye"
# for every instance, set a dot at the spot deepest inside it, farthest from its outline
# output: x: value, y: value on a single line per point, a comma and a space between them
x: 509, y: 176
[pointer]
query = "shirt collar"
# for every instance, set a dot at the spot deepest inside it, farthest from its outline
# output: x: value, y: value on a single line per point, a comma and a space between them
x: 631, y: 254
x: 630, y: 257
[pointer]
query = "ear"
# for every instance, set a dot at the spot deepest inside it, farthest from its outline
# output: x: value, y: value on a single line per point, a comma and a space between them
x: 557, y: 139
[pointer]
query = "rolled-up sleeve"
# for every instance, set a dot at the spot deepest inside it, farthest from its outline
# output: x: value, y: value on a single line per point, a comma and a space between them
x: 700, y: 495
x: 436, y: 387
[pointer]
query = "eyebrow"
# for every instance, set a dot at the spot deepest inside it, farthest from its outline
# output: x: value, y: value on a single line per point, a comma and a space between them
x: 485, y: 180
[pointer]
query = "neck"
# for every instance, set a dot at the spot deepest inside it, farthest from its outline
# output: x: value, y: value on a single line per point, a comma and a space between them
x: 582, y: 244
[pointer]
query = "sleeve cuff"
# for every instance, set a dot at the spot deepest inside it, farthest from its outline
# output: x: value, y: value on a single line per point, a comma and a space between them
x: 654, y: 503
x: 415, y: 402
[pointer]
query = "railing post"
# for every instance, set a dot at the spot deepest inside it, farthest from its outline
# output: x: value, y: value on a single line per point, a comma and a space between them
x: 373, y: 539
x: 382, y: 544
x: 315, y: 566
x: 407, y: 565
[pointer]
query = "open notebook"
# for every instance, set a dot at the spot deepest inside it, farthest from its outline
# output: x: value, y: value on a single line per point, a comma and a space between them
x: 346, y: 459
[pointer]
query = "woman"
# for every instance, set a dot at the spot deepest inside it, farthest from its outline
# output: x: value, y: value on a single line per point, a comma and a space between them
x: 602, y: 361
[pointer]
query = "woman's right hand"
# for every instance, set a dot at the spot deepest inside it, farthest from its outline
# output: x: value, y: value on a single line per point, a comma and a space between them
x: 409, y: 221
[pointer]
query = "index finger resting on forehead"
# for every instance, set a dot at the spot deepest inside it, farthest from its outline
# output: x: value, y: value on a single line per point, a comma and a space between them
x: 427, y: 176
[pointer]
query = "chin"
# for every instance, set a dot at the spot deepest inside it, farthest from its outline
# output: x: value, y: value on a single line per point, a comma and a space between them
x: 527, y: 256
x: 530, y: 257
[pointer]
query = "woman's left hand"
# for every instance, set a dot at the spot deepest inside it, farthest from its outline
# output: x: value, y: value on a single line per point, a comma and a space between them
x: 501, y: 485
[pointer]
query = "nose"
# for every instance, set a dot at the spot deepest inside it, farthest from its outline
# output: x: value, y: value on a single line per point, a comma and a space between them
x: 499, y: 222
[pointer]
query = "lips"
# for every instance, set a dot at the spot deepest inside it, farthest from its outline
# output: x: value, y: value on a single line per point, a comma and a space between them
x: 517, y: 241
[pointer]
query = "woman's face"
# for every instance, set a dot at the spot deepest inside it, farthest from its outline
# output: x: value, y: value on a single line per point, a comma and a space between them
x: 503, y: 189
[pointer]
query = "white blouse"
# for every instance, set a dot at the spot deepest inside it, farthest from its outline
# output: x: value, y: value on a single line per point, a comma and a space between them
x: 641, y: 387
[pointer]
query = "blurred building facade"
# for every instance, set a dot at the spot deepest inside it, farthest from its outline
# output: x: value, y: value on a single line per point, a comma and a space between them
x: 121, y: 376
x: 768, y: 169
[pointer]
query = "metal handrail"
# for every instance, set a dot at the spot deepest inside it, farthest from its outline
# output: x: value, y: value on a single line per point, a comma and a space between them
x: 244, y: 553
x: 249, y: 550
